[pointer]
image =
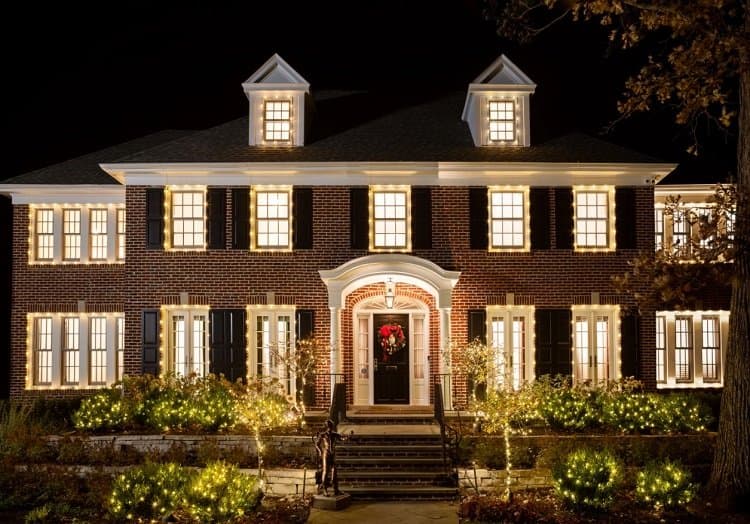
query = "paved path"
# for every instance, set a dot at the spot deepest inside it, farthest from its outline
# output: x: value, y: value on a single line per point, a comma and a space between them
x: 390, y: 512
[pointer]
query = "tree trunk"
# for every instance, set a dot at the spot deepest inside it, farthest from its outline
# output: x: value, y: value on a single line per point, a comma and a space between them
x: 730, y: 475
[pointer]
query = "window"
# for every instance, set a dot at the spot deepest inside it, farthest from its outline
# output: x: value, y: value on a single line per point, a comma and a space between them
x: 389, y: 219
x: 692, y: 342
x: 272, y: 343
x: 658, y: 229
x: 501, y: 121
x: 594, y: 218
x: 272, y: 218
x: 188, y: 218
x: 595, y: 351
x: 45, y: 239
x: 508, y: 219
x: 72, y: 234
x: 277, y: 122
x: 188, y: 342
x: 120, y: 234
x: 73, y: 351
x: 77, y: 234
x: 98, y: 234
x: 511, y: 329
x: 120, y: 348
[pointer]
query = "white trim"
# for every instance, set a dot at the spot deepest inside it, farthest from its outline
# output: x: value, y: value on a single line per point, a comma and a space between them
x: 64, y: 193
x: 255, y: 81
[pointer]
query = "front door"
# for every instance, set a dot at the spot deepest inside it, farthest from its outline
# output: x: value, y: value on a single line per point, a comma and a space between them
x: 391, y: 359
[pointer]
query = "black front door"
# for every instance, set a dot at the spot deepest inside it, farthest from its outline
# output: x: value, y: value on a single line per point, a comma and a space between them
x: 391, y: 364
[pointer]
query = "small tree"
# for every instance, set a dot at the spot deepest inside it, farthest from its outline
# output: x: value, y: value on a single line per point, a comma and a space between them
x: 300, y: 366
x: 477, y: 363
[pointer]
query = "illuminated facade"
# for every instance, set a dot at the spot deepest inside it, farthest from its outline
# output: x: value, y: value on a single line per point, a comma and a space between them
x: 392, y: 241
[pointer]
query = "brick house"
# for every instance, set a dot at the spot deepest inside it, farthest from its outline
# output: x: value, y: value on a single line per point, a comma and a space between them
x: 392, y: 239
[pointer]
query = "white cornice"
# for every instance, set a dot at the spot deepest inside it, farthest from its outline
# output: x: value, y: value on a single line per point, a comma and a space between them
x: 64, y: 193
x: 685, y: 189
x: 367, y: 173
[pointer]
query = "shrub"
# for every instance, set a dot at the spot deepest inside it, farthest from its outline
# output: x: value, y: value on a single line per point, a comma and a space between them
x: 570, y: 409
x: 220, y: 492
x: 482, y: 508
x: 21, y: 435
x: 151, y: 491
x: 664, y: 484
x: 106, y: 409
x: 654, y: 413
x: 213, y: 404
x: 686, y: 413
x: 587, y: 478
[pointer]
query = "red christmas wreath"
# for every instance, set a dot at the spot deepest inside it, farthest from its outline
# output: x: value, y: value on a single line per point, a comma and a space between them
x: 392, y: 339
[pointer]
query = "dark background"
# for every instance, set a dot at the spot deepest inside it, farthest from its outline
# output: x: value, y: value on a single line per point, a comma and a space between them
x: 81, y: 78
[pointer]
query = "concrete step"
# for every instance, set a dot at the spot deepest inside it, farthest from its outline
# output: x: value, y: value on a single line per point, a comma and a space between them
x: 400, y: 492
x: 389, y: 463
x: 389, y: 450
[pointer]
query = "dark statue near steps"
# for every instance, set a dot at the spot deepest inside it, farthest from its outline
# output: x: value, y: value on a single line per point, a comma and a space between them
x: 325, y: 444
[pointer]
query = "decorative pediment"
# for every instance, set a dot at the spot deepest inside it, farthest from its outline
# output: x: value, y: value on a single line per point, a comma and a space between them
x: 276, y: 73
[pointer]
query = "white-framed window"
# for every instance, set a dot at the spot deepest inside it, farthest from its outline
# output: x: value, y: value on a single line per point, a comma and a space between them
x: 509, y: 218
x: 44, y: 234
x: 121, y: 221
x: 681, y: 232
x: 680, y: 229
x: 502, y: 117
x: 596, y: 352
x: 272, y: 218
x: 76, y: 234
x: 187, y: 218
x: 271, y: 336
x: 120, y: 348
x: 594, y: 218
x: 510, y: 330
x: 277, y: 120
x: 98, y: 234
x: 658, y: 229
x: 71, y: 234
x: 661, y: 349
x: 693, y: 348
x: 390, y: 213
x: 72, y: 351
x: 188, y: 342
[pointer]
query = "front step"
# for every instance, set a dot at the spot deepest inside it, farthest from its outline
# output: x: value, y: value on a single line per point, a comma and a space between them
x: 400, y: 492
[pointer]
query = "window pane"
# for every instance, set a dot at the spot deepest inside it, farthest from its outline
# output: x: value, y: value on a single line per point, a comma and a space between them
x: 506, y: 218
x: 120, y: 348
x: 683, y: 349
x: 518, y: 351
x: 497, y: 325
x: 272, y: 219
x: 711, y: 348
x: 198, y: 361
x: 98, y: 350
x: 501, y: 121
x: 581, y: 334
x: 98, y: 234
x: 71, y: 350
x: 43, y: 351
x: 277, y: 121
x: 71, y: 234
x: 661, y: 349
x: 179, y: 345
x: 121, y: 234
x: 187, y: 219
x: 592, y: 212
x: 390, y: 215
x: 44, y: 234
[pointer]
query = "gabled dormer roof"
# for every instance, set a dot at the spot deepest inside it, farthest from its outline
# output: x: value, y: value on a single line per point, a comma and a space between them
x: 276, y: 73
x: 500, y: 75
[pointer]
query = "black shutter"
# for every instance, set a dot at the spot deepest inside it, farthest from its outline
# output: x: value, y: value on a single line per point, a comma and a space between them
x: 155, y: 218
x: 629, y: 342
x: 478, y: 325
x: 625, y: 218
x: 228, y: 343
x: 303, y: 217
x: 305, y: 323
x: 241, y: 218
x: 216, y: 200
x: 421, y: 218
x: 564, y: 217
x: 478, y: 232
x: 359, y: 217
x: 150, y: 342
x: 553, y: 342
x: 539, y: 217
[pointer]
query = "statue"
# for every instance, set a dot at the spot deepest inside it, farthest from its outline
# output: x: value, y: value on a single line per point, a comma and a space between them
x: 325, y: 444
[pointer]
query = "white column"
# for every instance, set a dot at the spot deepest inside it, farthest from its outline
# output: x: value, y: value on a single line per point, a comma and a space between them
x: 336, y: 360
x: 445, y: 355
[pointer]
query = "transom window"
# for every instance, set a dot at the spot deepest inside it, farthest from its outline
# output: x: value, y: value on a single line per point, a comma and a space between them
x: 272, y: 224
x: 277, y: 122
x: 508, y: 217
x: 272, y: 344
x: 188, y: 342
x: 98, y: 234
x: 45, y: 239
x: 501, y: 121
x: 594, y: 216
x: 595, y: 357
x: 389, y: 219
x: 511, y: 331
x: 187, y: 211
x: 71, y: 234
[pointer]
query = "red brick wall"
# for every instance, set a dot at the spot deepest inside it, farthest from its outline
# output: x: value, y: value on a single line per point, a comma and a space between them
x: 230, y: 278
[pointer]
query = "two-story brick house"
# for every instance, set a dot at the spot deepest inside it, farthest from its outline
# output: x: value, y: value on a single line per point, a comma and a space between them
x: 391, y: 241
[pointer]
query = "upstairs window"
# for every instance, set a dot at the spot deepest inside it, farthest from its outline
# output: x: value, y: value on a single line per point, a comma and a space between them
x: 594, y: 219
x: 509, y: 228
x: 659, y: 229
x: 98, y: 234
x: 277, y: 123
x: 72, y: 234
x: 121, y: 234
x: 187, y: 212
x: 389, y: 219
x: 45, y: 238
x: 272, y: 218
x: 501, y: 121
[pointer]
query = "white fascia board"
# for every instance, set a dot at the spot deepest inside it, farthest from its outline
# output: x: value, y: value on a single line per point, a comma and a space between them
x: 276, y: 87
x: 384, y: 173
x: 511, y: 89
x: 64, y: 193
x: 685, y: 189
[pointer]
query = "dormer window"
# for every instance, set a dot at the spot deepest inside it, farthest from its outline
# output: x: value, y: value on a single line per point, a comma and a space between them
x: 277, y: 121
x: 501, y: 116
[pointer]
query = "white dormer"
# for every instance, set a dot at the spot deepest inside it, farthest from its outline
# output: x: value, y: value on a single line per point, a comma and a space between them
x: 276, y: 93
x: 497, y: 105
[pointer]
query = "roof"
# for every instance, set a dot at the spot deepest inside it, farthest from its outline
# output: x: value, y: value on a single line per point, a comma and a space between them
x: 85, y: 169
x: 345, y: 129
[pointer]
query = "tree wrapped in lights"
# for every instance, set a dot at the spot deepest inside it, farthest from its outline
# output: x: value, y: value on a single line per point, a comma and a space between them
x: 300, y: 366
x: 262, y: 407
x: 477, y: 363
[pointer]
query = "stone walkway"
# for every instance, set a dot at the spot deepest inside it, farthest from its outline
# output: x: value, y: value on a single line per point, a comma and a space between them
x: 416, y: 512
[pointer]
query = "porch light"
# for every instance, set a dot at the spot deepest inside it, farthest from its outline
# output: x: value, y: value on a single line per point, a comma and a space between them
x: 389, y: 293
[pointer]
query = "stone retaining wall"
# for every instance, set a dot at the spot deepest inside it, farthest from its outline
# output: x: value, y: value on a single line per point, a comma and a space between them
x: 471, y: 480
